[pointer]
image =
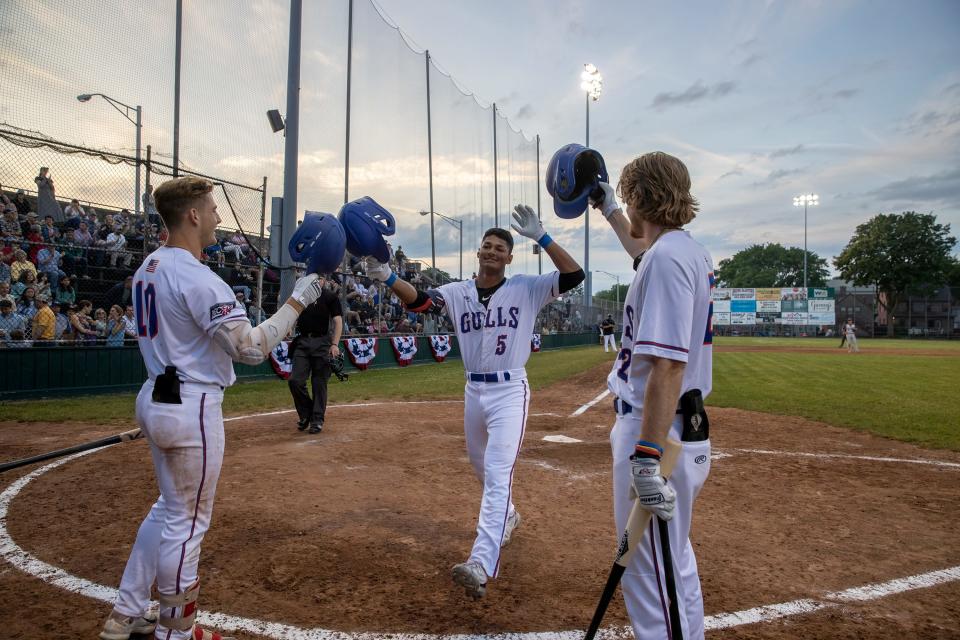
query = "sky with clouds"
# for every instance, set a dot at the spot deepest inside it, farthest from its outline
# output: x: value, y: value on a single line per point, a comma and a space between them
x: 856, y: 101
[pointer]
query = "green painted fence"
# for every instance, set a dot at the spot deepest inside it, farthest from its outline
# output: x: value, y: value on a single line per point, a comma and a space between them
x: 67, y: 370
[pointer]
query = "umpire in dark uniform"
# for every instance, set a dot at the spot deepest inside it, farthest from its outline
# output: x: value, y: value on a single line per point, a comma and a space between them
x: 311, y: 352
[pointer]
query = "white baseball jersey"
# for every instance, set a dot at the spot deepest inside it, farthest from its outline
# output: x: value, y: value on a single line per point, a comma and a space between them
x: 179, y: 304
x: 850, y: 329
x: 497, y: 337
x: 667, y: 313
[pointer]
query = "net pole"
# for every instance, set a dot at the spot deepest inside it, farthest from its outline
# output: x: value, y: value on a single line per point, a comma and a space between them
x: 496, y: 215
x: 263, y: 215
x: 539, y: 215
x: 433, y: 237
x: 291, y: 141
x: 346, y: 153
x: 176, y: 90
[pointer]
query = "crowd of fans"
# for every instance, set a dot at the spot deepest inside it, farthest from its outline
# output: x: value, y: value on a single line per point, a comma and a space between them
x: 66, y: 276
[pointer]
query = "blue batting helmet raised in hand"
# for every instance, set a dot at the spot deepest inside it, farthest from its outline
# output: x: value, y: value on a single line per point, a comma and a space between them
x: 366, y: 223
x: 319, y: 242
x: 574, y: 172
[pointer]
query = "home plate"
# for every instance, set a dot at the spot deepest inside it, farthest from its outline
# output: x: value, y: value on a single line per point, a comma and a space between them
x: 563, y: 439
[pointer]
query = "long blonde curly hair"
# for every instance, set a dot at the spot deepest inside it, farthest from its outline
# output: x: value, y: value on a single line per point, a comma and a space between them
x: 658, y: 185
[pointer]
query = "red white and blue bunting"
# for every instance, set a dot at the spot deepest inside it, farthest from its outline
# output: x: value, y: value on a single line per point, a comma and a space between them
x: 404, y: 347
x: 281, y: 360
x: 440, y: 345
x: 361, y: 351
x: 535, y: 343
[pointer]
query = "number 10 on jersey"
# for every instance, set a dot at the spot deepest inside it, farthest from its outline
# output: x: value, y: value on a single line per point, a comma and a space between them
x: 146, y: 308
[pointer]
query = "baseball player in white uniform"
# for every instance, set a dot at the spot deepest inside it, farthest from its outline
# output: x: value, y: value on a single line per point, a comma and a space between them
x: 661, y: 375
x: 850, y: 333
x: 494, y: 317
x: 191, y: 329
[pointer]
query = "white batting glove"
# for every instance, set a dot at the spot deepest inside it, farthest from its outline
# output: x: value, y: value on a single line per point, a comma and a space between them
x: 608, y: 206
x: 307, y: 289
x: 377, y: 270
x: 649, y: 487
x: 526, y: 223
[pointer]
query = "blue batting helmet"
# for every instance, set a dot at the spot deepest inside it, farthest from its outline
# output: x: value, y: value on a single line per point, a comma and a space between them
x: 573, y: 174
x: 366, y: 223
x: 319, y: 242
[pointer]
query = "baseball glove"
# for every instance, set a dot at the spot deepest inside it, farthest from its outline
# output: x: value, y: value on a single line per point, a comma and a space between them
x: 336, y: 365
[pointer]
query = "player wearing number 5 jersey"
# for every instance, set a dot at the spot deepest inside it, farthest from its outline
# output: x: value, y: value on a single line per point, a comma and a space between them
x: 494, y: 318
x: 191, y: 329
x: 662, y: 373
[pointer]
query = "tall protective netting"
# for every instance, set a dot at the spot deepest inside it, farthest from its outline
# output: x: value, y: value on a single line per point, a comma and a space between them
x: 516, y: 184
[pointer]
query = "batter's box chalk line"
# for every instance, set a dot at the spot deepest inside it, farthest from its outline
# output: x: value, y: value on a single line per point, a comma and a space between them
x: 29, y: 564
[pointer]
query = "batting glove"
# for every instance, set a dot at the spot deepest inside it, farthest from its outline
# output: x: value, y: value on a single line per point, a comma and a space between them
x: 377, y: 270
x: 526, y: 223
x: 307, y: 289
x: 649, y: 486
x: 608, y: 204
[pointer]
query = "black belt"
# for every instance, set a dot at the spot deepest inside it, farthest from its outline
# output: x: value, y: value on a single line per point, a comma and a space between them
x: 310, y: 334
x: 622, y: 407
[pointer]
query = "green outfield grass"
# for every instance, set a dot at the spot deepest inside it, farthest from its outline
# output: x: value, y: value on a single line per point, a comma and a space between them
x: 866, y: 344
x: 415, y: 383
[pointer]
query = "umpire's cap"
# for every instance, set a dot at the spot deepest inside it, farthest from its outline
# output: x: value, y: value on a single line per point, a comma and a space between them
x: 319, y: 242
x: 573, y: 174
x: 366, y: 223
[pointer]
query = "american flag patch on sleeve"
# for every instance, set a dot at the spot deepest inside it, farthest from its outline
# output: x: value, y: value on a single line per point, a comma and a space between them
x: 152, y: 266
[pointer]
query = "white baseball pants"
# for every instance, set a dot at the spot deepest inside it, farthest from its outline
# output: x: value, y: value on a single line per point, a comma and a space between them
x: 186, y: 443
x: 852, y: 344
x: 643, y: 584
x: 494, y: 419
x: 609, y: 342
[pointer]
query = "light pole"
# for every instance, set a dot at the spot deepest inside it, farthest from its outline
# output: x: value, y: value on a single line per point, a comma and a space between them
x: 455, y: 222
x: 617, y: 278
x: 813, y: 200
x: 125, y: 112
x: 592, y: 85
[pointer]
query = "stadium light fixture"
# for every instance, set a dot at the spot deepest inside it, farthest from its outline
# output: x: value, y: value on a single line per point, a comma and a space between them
x: 592, y: 85
x: 809, y: 199
x: 135, y: 116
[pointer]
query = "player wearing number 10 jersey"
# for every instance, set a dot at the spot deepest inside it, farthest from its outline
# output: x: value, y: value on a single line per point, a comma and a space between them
x: 494, y: 318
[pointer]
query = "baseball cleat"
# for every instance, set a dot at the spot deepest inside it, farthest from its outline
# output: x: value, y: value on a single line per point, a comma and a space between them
x: 316, y: 427
x: 513, y: 521
x: 302, y: 424
x: 120, y: 627
x: 471, y: 576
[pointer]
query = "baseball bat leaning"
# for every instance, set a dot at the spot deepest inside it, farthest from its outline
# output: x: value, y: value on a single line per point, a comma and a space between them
x: 636, y: 525
x: 676, y: 631
x: 126, y: 436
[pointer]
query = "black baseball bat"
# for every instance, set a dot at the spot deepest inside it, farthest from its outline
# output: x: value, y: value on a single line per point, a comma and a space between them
x: 133, y: 434
x: 676, y: 632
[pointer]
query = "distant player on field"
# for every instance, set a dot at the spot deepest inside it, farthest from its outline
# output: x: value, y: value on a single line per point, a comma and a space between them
x: 191, y: 329
x: 493, y: 316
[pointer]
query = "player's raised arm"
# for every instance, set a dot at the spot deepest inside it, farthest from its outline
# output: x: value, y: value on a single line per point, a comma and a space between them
x: 611, y: 210
x: 528, y: 225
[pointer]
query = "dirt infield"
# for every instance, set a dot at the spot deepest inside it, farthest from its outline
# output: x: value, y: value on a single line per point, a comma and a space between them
x: 355, y: 529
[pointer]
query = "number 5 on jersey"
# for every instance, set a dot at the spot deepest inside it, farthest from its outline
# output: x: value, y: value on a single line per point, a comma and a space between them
x: 146, y: 308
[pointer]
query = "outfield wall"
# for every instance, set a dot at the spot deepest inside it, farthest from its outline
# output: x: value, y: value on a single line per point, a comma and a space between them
x: 63, y: 371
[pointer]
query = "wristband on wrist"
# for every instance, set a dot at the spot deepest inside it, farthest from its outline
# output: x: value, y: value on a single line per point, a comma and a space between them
x: 648, y: 449
x: 389, y: 281
x: 545, y: 240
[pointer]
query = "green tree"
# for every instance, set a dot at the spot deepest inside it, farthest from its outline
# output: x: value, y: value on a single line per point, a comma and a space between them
x: 899, y: 253
x: 771, y: 265
x: 611, y: 293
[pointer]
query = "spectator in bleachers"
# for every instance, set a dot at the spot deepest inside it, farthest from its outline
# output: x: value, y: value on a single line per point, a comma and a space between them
x: 120, y: 293
x: 151, y: 238
x: 4, y: 272
x: 129, y: 325
x: 82, y: 323
x: 66, y: 292
x: 21, y: 265
x: 42, y: 286
x: 44, y: 324
x: 5, y: 292
x: 100, y: 325
x: 74, y: 211
x: 150, y: 205
x: 74, y: 256
x: 116, y: 241
x: 47, y: 204
x: 34, y: 242
x: 240, y: 280
x: 21, y: 203
x: 61, y: 322
x: 27, y: 303
x: 82, y: 235
x: 236, y: 245
x: 48, y: 262
x: 400, y: 257
x: 10, y: 225
x: 49, y: 232
x: 115, y: 326
x: 10, y: 322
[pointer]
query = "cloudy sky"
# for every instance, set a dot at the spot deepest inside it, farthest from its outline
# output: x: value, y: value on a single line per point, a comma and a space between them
x: 856, y: 101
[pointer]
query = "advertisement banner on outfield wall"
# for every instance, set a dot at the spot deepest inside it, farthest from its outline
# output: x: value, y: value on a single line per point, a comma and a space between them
x: 795, y: 293
x: 721, y: 294
x: 768, y: 306
x: 822, y: 319
x: 793, y: 317
x: 743, y: 294
x: 743, y: 318
x: 721, y: 306
x: 793, y: 305
x: 822, y: 306
x: 821, y: 294
x: 721, y: 317
x: 768, y: 318
x: 743, y: 306
x: 768, y: 294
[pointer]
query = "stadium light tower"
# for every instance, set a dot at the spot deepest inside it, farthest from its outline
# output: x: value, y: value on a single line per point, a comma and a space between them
x: 812, y: 200
x: 592, y: 84
x: 138, y: 123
